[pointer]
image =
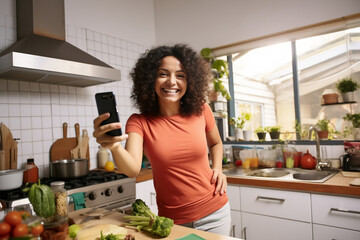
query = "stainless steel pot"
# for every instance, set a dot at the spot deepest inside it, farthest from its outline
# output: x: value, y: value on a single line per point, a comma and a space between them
x: 11, y: 179
x: 69, y: 168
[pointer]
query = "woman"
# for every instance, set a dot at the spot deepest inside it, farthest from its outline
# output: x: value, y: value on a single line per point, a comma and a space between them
x: 175, y: 131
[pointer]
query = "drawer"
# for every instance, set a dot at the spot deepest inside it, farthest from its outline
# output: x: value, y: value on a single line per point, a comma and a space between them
x: 277, y: 203
x: 336, y: 211
x: 258, y: 227
x: 233, y: 193
x: 330, y: 233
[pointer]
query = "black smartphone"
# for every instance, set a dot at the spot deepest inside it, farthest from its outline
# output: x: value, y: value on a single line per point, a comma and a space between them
x: 106, y: 102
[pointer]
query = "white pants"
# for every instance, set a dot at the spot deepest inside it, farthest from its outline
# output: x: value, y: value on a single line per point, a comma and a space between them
x: 218, y: 222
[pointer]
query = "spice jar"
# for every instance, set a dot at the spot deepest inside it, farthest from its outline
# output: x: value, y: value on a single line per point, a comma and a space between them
x: 61, y: 211
x: 102, y: 157
x: 31, y: 173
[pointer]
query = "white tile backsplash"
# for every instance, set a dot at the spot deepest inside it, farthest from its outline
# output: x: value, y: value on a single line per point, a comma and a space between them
x: 35, y: 112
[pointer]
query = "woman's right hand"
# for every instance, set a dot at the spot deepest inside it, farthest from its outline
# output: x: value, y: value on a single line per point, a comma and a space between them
x: 105, y: 140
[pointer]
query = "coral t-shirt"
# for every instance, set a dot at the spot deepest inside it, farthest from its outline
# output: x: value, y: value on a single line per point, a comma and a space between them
x: 177, y: 151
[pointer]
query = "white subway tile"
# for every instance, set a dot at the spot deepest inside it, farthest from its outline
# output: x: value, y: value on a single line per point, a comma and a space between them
x: 14, y: 123
x: 26, y: 135
x: 36, y: 110
x: 37, y: 135
x: 13, y: 97
x: 25, y: 110
x: 24, y: 86
x: 24, y: 97
x: 14, y: 110
x: 38, y: 148
x: 46, y: 122
x: 36, y: 122
x: 25, y: 123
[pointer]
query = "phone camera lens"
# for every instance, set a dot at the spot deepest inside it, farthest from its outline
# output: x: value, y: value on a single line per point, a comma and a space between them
x: 110, y: 97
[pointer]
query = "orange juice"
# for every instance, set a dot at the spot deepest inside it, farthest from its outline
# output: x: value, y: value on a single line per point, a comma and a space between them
x: 246, y: 163
x: 254, y: 162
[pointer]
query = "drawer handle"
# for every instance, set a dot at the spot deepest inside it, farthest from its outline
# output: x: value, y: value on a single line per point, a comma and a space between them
x: 344, y: 211
x: 281, y: 200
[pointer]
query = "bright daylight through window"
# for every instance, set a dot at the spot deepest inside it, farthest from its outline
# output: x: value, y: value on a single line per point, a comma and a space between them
x: 263, y: 84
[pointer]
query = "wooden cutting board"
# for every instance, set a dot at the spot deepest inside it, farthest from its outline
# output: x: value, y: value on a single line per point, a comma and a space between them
x: 93, y: 233
x: 9, y: 149
x: 61, y: 148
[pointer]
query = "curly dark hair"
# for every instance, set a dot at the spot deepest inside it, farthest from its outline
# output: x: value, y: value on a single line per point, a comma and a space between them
x: 145, y: 72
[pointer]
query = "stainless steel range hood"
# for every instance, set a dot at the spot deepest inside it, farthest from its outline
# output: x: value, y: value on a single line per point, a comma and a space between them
x: 41, y: 53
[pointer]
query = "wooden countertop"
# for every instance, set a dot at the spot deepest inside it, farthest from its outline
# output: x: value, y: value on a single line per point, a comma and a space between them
x: 116, y: 218
x: 338, y: 184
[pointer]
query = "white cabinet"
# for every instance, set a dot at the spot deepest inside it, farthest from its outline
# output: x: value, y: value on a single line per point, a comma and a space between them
x: 276, y: 203
x: 330, y: 233
x: 233, y: 193
x: 340, y: 214
x: 146, y: 191
x: 257, y: 227
x: 275, y: 214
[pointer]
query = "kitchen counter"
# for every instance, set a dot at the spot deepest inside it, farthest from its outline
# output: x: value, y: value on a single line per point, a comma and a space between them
x: 337, y: 185
x: 117, y: 219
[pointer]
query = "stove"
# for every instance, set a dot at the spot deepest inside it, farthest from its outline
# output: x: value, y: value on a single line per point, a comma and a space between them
x: 100, y: 188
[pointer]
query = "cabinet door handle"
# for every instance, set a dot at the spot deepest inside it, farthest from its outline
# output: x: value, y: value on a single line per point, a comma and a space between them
x: 233, y: 230
x: 344, y: 211
x: 152, y: 195
x: 244, y: 233
x: 281, y: 200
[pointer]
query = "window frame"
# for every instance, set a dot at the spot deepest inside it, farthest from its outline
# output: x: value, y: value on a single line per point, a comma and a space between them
x: 334, y: 25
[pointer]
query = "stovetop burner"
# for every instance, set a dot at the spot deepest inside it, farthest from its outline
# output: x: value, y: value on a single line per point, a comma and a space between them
x: 92, y: 178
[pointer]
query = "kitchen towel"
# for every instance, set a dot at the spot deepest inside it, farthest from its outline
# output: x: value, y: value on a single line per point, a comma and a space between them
x: 191, y: 236
x: 79, y: 200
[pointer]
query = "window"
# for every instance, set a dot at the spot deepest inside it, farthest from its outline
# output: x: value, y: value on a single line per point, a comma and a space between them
x: 263, y: 79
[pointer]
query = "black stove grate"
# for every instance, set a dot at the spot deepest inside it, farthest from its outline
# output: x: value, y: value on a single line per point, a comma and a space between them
x: 92, y: 178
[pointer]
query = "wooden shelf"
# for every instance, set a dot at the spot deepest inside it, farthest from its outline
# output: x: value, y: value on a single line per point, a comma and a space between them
x: 352, y: 102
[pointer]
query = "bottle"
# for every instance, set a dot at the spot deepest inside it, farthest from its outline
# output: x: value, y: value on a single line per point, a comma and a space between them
x: 102, y: 157
x: 61, y: 204
x: 31, y: 173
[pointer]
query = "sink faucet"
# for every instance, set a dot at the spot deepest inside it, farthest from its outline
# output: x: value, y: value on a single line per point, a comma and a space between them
x: 319, y: 164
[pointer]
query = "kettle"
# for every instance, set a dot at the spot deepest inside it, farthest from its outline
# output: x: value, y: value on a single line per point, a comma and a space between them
x: 308, y: 161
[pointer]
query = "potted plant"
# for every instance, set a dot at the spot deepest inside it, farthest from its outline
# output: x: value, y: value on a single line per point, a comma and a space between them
x: 239, y: 123
x: 220, y: 69
x: 274, y: 132
x: 355, y: 120
x: 347, y: 87
x: 261, y: 133
x: 323, y: 125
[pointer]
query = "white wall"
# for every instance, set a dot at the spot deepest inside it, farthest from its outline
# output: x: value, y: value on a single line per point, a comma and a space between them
x: 125, y: 19
x: 213, y: 23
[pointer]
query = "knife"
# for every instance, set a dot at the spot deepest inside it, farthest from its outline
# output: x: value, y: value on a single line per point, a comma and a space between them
x: 98, y: 216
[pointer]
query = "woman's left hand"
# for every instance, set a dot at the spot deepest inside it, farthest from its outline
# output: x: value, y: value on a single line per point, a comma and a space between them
x: 219, y: 178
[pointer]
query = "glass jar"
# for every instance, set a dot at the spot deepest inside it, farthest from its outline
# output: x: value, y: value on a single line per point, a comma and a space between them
x: 61, y: 204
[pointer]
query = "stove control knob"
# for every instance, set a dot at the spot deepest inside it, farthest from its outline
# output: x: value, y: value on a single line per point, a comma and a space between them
x: 120, y: 189
x: 108, y: 192
x: 92, y: 196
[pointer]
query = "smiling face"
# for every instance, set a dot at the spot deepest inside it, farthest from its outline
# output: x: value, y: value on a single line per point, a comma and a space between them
x: 170, y: 85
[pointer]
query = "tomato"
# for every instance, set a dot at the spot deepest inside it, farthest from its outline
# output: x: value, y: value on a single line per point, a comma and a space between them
x: 20, y: 230
x: 5, y: 237
x: 24, y: 214
x: 238, y: 162
x: 279, y: 164
x: 37, y: 230
x: 13, y: 218
x: 5, y: 228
